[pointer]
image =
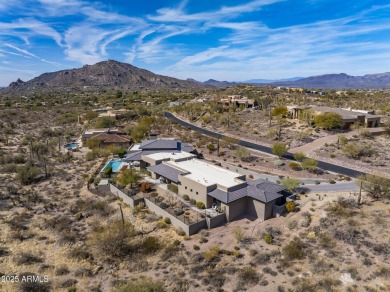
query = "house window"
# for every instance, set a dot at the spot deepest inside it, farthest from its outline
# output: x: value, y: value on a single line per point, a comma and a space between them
x: 185, y: 187
x: 197, y: 193
x: 191, y: 190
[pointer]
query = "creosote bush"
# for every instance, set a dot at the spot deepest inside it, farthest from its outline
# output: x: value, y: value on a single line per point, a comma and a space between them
x: 294, y: 250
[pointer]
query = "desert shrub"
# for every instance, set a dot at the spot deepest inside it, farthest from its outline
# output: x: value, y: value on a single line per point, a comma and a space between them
x: 79, y: 253
x: 141, y: 285
x: 326, y: 241
x: 262, y: 258
x: 200, y: 205
x: 170, y: 251
x: 290, y: 206
x: 180, y: 231
x: 186, y: 197
x: 332, y: 181
x: 356, y: 150
x: 27, y: 174
x: 294, y: 250
x: 292, y: 224
x: 248, y: 276
x: 294, y: 166
x: 211, y: 254
x: 163, y: 205
x: 239, y: 234
x: 267, y: 238
x: 332, y: 155
x: 26, y: 258
x: 161, y: 224
x: 151, y: 244
x: 167, y: 220
x: 348, y: 235
x: 9, y: 168
x: 306, y: 219
x: 159, y: 199
x: 63, y: 270
x: 173, y: 188
x: 192, y: 202
x: 113, y: 239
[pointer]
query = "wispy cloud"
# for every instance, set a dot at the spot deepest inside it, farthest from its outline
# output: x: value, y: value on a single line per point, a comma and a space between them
x: 29, y: 54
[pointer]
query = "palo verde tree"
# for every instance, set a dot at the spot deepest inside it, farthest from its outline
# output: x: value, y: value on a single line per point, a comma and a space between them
x: 279, y: 149
x: 128, y: 177
x: 328, y: 121
x: 377, y: 187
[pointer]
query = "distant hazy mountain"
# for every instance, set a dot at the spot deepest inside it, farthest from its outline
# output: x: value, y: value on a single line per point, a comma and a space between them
x: 341, y: 81
x: 262, y: 81
x: 219, y: 84
x: 106, y: 74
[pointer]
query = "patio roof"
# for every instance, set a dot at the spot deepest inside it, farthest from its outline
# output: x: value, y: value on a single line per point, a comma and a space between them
x: 166, y: 171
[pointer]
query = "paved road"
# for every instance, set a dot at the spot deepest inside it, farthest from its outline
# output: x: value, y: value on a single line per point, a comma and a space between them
x: 337, y: 187
x: 324, y: 165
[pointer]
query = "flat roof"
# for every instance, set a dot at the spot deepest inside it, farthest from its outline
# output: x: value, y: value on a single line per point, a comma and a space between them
x: 134, y: 147
x: 170, y: 155
x: 206, y: 173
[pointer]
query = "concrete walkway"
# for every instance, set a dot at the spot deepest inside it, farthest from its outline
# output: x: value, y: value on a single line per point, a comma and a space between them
x: 316, y: 144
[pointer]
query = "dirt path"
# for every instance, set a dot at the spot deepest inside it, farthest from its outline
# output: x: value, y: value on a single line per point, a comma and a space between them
x: 309, y: 147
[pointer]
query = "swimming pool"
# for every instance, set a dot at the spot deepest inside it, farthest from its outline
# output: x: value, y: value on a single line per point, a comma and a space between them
x: 71, y: 146
x: 115, y: 164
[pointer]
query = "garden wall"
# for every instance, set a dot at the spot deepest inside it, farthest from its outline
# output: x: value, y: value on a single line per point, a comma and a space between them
x: 216, y: 221
x: 188, y: 229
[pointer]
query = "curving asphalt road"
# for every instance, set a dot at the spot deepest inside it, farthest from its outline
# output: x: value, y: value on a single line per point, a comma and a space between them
x: 324, y: 165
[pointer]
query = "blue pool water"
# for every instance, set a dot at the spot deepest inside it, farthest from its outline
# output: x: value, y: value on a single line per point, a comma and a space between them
x: 115, y: 164
x: 71, y: 145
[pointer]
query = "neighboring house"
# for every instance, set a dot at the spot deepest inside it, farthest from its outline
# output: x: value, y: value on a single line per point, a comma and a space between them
x: 88, y: 133
x: 106, y: 139
x: 220, y: 188
x: 348, y: 116
x: 147, y: 147
x: 238, y: 100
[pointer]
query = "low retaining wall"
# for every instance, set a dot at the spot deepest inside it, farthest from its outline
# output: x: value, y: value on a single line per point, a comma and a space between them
x: 114, y: 190
x: 216, y: 221
x: 188, y: 229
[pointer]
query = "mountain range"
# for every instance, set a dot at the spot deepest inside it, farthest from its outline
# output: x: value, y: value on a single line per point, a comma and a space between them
x: 117, y: 75
x: 106, y: 74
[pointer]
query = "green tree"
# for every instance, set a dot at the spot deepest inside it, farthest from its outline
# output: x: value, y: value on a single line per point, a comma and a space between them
x: 90, y: 115
x: 376, y: 186
x: 280, y: 110
x: 105, y: 122
x: 328, y: 120
x: 210, y: 147
x: 242, y: 153
x: 299, y: 156
x: 279, y: 149
x: 290, y: 183
x: 310, y: 164
x: 128, y: 177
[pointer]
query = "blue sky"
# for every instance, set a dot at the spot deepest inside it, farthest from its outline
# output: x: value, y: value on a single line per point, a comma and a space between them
x: 225, y: 40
